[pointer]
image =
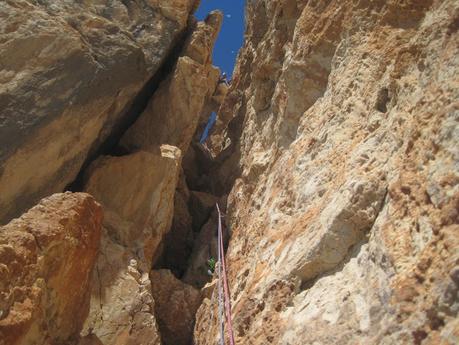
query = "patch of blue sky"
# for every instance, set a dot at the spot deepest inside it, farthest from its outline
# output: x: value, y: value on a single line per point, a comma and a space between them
x: 231, y: 35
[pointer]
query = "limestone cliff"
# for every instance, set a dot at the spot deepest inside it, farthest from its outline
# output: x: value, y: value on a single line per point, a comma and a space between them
x: 334, y: 158
x: 341, y: 134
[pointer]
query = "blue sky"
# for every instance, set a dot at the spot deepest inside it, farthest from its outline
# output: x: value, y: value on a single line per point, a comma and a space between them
x: 232, y: 34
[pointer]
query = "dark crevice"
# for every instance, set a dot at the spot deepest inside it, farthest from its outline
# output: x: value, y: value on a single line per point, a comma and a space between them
x: 382, y: 100
x: 186, y: 243
x: 204, y: 175
x: 189, y: 246
x: 184, y: 239
x: 133, y: 111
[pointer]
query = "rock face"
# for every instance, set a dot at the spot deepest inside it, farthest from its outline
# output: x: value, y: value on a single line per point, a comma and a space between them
x: 69, y: 74
x: 176, y: 304
x: 341, y: 134
x: 137, y: 193
x: 46, y: 253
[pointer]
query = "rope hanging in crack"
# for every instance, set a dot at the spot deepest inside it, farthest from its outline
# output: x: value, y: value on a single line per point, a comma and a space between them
x: 220, y: 291
x: 227, y: 304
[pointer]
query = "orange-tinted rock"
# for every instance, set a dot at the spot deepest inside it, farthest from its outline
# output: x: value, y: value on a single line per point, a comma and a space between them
x: 46, y: 260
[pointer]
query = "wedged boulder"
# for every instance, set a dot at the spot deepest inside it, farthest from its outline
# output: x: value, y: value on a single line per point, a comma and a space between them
x: 176, y: 304
x: 137, y: 193
x: 173, y: 112
x: 69, y: 74
x: 220, y: 93
x: 46, y: 260
x: 212, y: 105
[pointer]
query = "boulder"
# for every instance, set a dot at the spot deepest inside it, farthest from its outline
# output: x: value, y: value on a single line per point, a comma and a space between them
x: 176, y: 304
x: 137, y: 193
x: 45, y: 254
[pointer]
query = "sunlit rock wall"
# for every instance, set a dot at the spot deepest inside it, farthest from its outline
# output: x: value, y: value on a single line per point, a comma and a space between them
x: 340, y: 132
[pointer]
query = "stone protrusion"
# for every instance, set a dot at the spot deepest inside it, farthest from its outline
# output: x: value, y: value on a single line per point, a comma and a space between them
x: 46, y: 260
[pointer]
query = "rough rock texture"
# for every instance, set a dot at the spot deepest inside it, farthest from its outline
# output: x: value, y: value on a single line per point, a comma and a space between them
x: 170, y: 117
x: 48, y: 252
x: 176, y: 304
x: 341, y: 136
x: 137, y: 193
x: 122, y: 307
x: 69, y: 73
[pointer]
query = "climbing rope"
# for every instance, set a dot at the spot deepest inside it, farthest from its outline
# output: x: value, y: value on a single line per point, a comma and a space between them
x: 223, y: 276
x: 220, y: 293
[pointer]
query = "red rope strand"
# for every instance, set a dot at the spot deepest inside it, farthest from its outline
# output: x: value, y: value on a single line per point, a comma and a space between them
x: 225, y: 282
